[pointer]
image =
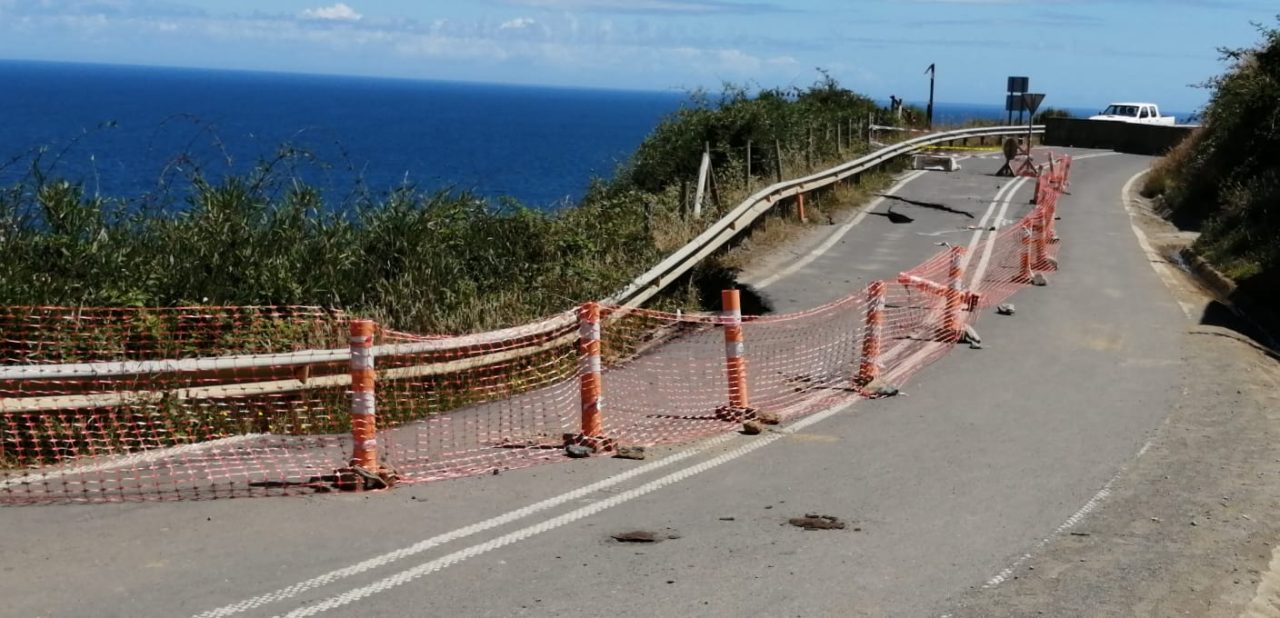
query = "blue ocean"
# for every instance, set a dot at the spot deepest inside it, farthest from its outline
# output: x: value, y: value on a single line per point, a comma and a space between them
x: 131, y: 131
x: 123, y: 130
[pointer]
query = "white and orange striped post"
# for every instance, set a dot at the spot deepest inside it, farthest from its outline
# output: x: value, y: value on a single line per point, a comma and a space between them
x: 1041, y: 257
x: 735, y: 359
x: 364, y: 426
x: 1050, y: 213
x: 955, y: 293
x: 1025, y: 273
x: 869, y: 368
x: 590, y: 380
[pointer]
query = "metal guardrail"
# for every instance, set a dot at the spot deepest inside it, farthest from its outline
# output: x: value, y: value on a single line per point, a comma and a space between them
x: 742, y: 216
x: 641, y: 289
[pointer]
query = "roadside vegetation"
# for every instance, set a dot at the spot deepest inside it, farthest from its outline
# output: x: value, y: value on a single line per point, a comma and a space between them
x: 1225, y: 178
x: 427, y: 262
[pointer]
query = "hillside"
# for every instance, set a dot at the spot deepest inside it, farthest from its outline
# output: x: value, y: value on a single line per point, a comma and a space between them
x: 1225, y: 179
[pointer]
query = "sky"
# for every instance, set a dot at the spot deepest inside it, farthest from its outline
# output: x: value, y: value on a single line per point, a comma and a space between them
x: 1081, y: 53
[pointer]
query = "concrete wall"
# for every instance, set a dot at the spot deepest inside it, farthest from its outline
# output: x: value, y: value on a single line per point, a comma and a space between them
x: 1128, y: 137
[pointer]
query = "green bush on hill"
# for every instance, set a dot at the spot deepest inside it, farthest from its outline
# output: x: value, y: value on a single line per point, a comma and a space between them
x: 1226, y: 176
x: 423, y: 262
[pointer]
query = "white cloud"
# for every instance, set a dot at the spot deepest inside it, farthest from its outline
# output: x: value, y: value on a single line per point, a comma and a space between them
x: 671, y: 7
x: 518, y: 23
x: 337, y: 12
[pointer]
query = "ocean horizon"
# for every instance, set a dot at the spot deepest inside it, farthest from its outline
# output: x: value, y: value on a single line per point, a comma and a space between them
x: 130, y: 131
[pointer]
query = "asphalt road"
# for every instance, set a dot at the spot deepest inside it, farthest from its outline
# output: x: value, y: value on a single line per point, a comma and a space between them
x: 989, y: 453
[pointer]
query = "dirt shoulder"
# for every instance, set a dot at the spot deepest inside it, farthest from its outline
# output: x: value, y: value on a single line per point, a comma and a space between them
x: 1188, y: 527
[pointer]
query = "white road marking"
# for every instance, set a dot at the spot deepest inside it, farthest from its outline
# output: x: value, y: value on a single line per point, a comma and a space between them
x: 1094, y: 156
x: 1158, y: 262
x: 460, y: 533
x: 427, y: 568
x: 991, y: 239
x: 1009, y: 188
x: 144, y: 457
x: 1089, y: 507
x: 1004, y: 197
x: 809, y: 257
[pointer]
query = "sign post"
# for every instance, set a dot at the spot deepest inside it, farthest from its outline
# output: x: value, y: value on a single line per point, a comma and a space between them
x: 1017, y: 86
x: 933, y: 73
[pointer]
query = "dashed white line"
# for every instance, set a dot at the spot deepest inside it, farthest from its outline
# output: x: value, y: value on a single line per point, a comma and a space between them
x: 1089, y: 507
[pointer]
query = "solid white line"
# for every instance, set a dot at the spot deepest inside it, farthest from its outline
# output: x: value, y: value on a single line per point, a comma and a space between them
x: 991, y: 239
x: 1158, y: 262
x: 427, y: 568
x: 1005, y: 197
x: 809, y: 257
x: 460, y: 533
x: 1009, y: 188
x: 1094, y: 156
x: 144, y: 457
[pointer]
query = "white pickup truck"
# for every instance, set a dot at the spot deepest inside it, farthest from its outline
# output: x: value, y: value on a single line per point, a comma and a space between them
x: 1142, y: 113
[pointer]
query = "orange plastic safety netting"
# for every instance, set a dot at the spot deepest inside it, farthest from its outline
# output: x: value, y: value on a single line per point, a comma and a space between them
x: 201, y: 402
x: 455, y: 406
x: 126, y: 404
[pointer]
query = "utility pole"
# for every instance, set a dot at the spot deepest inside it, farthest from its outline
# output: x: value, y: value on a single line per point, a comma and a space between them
x: 932, y: 71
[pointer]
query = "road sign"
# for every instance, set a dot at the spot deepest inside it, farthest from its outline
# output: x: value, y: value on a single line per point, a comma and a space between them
x: 1032, y: 101
x: 1014, y: 103
x: 1018, y: 85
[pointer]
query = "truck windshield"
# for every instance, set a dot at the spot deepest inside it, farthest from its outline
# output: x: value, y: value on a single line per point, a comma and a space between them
x: 1121, y: 110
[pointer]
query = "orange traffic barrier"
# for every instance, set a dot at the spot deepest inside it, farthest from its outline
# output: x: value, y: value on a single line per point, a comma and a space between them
x: 364, y: 426
x: 1025, y: 273
x: 869, y: 369
x: 951, y: 320
x: 1038, y: 239
x: 589, y: 377
x: 734, y: 351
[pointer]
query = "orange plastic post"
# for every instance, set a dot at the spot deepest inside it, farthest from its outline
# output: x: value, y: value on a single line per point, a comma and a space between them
x: 1038, y: 238
x: 590, y: 380
x: 869, y: 368
x: 364, y: 426
x: 800, y: 208
x: 951, y: 321
x: 734, y: 349
x: 1025, y: 274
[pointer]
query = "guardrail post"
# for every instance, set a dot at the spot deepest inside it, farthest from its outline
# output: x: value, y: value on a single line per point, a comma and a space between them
x: 800, y: 208
x: 364, y: 426
x: 735, y: 360
x: 869, y: 368
x: 591, y: 383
